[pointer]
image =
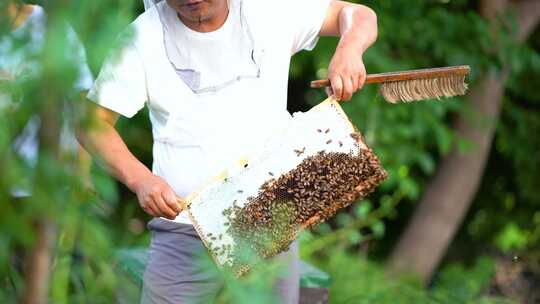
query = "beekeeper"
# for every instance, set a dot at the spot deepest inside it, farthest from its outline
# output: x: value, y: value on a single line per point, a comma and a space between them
x: 214, y: 75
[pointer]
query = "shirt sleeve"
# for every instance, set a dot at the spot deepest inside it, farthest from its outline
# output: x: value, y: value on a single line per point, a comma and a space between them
x: 306, y: 19
x: 121, y: 84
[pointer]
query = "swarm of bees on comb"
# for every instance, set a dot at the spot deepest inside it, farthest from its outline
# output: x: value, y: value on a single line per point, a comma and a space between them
x: 312, y: 193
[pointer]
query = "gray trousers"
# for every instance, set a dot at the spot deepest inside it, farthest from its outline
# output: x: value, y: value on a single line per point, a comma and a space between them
x: 173, y: 274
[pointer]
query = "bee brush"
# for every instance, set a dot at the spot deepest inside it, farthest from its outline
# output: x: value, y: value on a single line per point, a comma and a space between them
x: 414, y: 85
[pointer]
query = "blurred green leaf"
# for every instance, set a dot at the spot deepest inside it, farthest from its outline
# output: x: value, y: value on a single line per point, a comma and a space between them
x: 363, y: 209
x: 511, y: 238
x: 378, y: 229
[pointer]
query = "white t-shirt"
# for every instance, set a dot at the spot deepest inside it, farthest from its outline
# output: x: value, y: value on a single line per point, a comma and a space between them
x: 198, y: 135
x: 16, y: 62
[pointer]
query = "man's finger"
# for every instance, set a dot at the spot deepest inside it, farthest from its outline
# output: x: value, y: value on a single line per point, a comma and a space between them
x: 148, y: 211
x: 362, y: 80
x: 165, y: 210
x: 337, y: 87
x: 153, y: 209
x: 347, y: 89
x: 170, y: 199
x: 355, y: 83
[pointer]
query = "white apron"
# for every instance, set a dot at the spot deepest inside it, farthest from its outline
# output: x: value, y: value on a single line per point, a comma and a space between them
x: 196, y: 132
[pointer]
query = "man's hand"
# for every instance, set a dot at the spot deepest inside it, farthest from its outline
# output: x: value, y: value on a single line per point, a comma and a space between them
x: 347, y: 73
x: 356, y: 24
x: 156, y: 197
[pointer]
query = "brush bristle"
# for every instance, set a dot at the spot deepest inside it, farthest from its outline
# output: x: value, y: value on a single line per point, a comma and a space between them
x: 420, y: 89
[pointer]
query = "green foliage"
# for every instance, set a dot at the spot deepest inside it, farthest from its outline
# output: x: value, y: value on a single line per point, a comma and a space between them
x: 457, y: 284
x: 409, y: 139
x: 83, y: 242
x: 254, y: 287
x: 357, y: 280
x: 507, y: 211
x: 511, y: 238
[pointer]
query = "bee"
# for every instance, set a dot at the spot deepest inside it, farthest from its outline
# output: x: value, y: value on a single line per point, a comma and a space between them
x: 356, y: 136
x: 319, y: 130
x: 327, y: 131
x: 240, y: 191
x: 329, y: 142
x: 340, y: 144
x: 300, y: 152
x: 270, y: 173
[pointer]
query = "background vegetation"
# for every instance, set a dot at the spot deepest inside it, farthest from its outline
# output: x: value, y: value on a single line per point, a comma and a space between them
x: 471, y: 165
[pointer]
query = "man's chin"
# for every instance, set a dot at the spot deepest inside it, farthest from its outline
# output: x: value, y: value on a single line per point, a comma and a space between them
x: 195, y: 18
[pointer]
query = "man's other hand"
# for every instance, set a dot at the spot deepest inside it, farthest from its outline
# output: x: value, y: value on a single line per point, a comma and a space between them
x: 157, y: 198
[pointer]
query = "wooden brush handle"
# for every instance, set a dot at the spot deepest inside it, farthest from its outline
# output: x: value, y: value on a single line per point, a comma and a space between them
x: 405, y: 75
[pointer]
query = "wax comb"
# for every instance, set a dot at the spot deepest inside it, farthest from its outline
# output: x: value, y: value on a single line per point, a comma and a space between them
x: 313, y: 167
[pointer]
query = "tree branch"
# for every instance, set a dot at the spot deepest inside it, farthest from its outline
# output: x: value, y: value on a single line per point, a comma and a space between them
x: 527, y: 15
x: 39, y: 264
x: 491, y: 8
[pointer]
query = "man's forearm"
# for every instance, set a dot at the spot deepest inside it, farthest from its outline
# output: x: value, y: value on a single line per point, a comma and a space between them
x: 104, y: 142
x: 357, y: 27
x: 155, y: 196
